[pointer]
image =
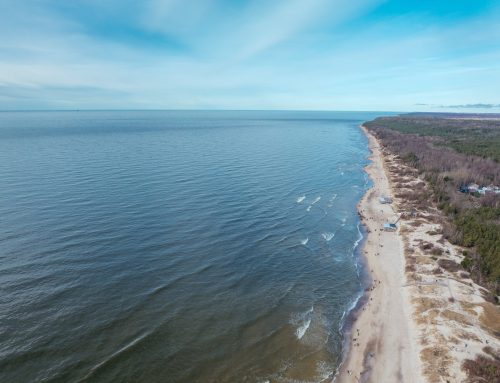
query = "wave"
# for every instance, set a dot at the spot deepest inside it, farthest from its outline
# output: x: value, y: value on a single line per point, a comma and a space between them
x: 328, y: 236
x: 303, y: 328
x: 324, y: 370
x: 303, y: 320
x: 117, y: 354
x: 313, y: 202
x: 316, y: 200
x: 304, y: 241
x: 360, y: 238
x: 300, y: 199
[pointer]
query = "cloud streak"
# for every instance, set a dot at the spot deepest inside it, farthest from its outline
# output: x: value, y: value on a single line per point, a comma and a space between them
x: 295, y: 54
x: 472, y: 106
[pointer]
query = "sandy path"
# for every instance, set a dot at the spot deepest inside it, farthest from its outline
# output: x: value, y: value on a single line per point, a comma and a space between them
x: 383, y: 340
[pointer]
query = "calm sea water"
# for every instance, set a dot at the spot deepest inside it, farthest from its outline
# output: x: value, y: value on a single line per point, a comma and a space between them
x: 177, y: 246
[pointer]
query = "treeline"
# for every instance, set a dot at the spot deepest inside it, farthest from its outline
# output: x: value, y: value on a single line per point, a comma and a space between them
x: 467, y: 135
x: 428, y: 144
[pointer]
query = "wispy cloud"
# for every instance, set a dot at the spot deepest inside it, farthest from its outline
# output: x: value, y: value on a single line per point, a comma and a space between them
x: 305, y: 54
x: 471, y: 106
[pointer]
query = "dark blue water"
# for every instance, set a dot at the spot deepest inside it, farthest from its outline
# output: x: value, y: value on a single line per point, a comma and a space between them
x: 177, y: 246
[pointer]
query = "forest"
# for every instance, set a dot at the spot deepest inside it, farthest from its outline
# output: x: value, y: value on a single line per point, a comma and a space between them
x: 450, y: 151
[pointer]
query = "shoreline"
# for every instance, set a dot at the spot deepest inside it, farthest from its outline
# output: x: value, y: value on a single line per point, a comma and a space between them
x: 372, y: 346
x: 420, y: 318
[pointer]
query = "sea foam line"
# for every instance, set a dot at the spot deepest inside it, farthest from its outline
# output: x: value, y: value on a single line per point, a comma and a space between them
x: 300, y: 332
x: 304, y: 319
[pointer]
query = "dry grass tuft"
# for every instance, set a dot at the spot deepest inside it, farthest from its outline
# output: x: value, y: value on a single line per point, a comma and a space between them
x: 490, y: 318
x: 423, y: 260
x: 465, y: 335
x: 430, y: 317
x: 457, y: 317
x: 424, y: 304
x: 449, y: 265
x: 469, y: 308
x: 436, y: 361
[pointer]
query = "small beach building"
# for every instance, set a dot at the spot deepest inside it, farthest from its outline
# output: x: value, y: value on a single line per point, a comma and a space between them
x: 486, y: 190
x: 490, y: 189
x: 390, y: 227
x: 473, y: 188
x: 482, y: 190
x: 384, y: 199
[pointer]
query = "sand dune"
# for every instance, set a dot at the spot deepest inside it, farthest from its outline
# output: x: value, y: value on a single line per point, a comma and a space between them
x: 423, y: 316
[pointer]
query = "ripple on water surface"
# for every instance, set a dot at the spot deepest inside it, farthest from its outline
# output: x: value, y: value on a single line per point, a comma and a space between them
x: 177, y: 246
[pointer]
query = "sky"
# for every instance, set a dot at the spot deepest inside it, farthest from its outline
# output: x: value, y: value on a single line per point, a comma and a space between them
x: 392, y: 55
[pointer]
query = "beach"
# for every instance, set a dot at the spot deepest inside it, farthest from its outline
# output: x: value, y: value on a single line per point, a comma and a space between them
x: 382, y: 340
x: 422, y: 316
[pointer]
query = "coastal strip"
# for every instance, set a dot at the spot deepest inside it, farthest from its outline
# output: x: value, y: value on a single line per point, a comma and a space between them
x: 382, y: 339
x: 423, y: 319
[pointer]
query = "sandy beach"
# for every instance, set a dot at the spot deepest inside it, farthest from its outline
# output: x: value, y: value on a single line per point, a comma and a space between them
x: 422, y: 317
x: 382, y: 340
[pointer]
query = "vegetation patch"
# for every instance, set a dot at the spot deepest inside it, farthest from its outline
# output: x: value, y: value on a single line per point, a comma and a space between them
x: 457, y: 317
x: 490, y: 318
x: 449, y: 265
x: 482, y: 369
x: 436, y: 361
x: 449, y: 152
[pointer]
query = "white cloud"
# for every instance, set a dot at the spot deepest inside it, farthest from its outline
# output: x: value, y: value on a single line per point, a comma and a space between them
x: 284, y: 54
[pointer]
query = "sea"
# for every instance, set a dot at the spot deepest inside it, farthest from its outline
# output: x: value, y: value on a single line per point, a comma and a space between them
x: 178, y: 246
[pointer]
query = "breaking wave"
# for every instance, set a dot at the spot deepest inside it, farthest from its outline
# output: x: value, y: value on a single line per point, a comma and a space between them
x: 316, y: 200
x: 328, y: 236
x: 303, y: 321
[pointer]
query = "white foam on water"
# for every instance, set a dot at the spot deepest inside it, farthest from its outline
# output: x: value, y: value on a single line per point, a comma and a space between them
x: 300, y: 199
x: 341, y: 173
x: 324, y: 370
x: 304, y: 241
x: 356, y: 243
x: 328, y: 236
x: 331, y: 200
x: 316, y: 200
x: 300, y: 332
x: 303, y: 320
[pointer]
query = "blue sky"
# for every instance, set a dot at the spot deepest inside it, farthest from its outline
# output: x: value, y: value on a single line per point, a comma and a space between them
x: 393, y: 55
